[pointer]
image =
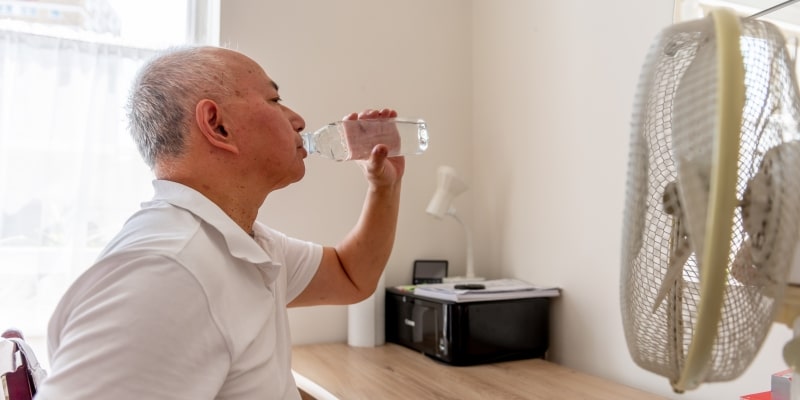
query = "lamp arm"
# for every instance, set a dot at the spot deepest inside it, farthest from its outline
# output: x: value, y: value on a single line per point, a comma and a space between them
x: 468, y: 236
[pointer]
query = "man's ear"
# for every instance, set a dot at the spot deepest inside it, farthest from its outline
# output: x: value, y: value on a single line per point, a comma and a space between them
x: 209, y: 120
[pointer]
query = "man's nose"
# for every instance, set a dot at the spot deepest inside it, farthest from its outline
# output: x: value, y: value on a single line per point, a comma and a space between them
x: 298, y: 123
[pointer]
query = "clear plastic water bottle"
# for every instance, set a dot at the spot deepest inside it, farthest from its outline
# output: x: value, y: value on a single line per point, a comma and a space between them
x: 354, y: 140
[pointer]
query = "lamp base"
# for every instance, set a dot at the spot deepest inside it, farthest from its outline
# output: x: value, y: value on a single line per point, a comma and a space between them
x: 462, y: 279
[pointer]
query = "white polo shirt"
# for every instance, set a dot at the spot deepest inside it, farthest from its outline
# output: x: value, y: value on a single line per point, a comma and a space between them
x: 182, y: 304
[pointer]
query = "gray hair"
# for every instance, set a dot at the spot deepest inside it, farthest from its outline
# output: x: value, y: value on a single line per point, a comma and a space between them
x: 162, y: 101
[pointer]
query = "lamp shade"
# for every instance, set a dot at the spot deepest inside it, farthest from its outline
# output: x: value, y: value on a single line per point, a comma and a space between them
x: 449, y: 186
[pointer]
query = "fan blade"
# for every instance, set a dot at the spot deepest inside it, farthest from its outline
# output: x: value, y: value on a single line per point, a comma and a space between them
x: 680, y: 246
x: 674, y: 272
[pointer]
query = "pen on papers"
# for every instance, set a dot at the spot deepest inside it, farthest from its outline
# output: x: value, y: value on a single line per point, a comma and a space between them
x: 469, y: 286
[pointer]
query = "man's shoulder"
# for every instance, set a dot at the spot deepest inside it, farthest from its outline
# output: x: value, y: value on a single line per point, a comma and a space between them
x: 160, y: 224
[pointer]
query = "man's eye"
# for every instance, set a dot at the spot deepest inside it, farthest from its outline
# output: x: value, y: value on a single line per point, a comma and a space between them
x: 276, y: 99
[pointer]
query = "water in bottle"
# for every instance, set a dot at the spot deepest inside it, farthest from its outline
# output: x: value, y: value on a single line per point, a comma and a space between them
x: 355, y: 139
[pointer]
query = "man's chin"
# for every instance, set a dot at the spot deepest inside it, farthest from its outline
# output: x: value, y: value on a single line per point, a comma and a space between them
x: 300, y: 173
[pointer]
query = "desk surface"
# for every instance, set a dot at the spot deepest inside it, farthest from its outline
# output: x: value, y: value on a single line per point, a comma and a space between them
x: 393, y: 371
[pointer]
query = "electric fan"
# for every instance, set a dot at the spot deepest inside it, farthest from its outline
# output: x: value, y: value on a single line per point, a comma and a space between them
x: 712, y: 201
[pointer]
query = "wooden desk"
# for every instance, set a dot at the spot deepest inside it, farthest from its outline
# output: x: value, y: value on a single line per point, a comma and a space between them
x: 395, y: 372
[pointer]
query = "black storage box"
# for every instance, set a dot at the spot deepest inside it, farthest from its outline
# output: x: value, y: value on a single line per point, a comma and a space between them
x: 468, y: 333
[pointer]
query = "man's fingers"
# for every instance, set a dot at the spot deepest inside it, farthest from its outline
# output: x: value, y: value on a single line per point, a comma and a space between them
x: 377, y: 159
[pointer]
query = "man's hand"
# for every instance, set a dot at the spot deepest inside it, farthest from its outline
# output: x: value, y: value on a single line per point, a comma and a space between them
x: 379, y: 169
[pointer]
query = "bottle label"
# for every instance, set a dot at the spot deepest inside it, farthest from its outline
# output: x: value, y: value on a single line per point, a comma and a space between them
x: 361, y: 136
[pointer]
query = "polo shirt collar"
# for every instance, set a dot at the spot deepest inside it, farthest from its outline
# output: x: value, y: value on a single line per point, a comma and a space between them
x: 239, y: 243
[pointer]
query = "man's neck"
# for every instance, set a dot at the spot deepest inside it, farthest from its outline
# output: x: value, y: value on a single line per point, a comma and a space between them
x: 236, y: 200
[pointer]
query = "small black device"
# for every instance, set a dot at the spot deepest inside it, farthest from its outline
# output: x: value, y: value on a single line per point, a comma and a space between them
x: 429, y: 271
x: 470, y: 333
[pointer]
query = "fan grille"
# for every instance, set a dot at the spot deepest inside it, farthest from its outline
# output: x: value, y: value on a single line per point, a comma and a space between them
x: 672, y: 142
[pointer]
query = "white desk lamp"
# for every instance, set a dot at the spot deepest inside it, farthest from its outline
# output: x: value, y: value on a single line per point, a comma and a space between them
x: 449, y: 186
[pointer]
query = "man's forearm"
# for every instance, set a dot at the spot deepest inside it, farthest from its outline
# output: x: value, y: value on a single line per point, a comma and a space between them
x: 366, y: 249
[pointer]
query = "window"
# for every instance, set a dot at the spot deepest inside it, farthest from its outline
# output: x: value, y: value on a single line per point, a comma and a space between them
x: 70, y: 174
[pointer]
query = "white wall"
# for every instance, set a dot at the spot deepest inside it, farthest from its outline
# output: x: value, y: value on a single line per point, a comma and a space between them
x: 528, y: 99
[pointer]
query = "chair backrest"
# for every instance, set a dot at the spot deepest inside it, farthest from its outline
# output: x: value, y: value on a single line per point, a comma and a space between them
x: 20, y: 373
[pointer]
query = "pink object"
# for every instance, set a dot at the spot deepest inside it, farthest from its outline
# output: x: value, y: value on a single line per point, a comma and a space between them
x: 363, y: 135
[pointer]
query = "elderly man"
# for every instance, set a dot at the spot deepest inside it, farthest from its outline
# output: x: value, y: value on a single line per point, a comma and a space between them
x: 189, y: 300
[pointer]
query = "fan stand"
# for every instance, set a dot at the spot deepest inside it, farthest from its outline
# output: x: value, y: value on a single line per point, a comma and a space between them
x: 790, y: 308
x: 789, y: 314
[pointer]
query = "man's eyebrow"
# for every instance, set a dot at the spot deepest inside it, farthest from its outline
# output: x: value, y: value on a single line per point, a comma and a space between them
x: 275, y: 85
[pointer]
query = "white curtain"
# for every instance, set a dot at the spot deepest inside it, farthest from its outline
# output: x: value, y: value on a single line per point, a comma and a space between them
x: 69, y: 173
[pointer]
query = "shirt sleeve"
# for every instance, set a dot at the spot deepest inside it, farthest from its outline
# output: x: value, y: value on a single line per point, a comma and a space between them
x: 140, y: 330
x: 301, y: 259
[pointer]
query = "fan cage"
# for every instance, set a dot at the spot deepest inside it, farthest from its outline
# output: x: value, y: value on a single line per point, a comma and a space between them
x: 680, y: 67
